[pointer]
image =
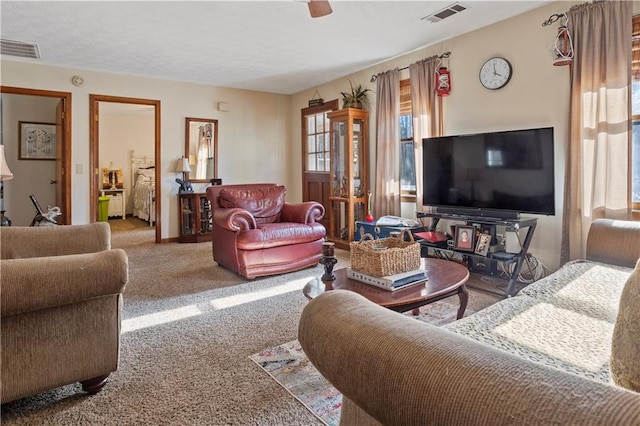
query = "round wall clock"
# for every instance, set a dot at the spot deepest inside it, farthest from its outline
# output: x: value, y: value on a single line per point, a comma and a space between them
x: 495, y: 73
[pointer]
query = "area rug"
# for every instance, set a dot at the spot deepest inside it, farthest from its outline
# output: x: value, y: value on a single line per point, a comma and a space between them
x: 288, y: 365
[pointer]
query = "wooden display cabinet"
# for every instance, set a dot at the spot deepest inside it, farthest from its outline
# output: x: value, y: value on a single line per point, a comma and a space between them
x: 196, y: 219
x: 348, y: 180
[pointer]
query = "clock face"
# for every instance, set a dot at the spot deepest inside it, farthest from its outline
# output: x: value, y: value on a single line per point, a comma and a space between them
x: 495, y: 73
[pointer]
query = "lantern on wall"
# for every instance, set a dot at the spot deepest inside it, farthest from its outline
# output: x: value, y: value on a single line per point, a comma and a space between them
x: 563, y: 47
x: 443, y: 81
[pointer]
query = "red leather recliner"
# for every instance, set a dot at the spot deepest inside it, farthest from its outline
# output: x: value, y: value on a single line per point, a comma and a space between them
x: 257, y: 233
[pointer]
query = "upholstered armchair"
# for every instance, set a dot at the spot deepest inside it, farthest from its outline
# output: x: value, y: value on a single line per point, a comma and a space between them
x: 61, y: 299
x: 257, y: 233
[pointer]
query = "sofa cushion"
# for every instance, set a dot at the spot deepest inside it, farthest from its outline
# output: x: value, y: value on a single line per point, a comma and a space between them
x: 264, y: 203
x: 591, y: 288
x: 564, y: 320
x: 625, y: 345
x: 279, y: 234
x: 541, y: 332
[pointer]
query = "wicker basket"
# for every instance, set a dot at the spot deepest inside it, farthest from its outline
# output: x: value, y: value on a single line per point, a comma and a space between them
x: 385, y: 256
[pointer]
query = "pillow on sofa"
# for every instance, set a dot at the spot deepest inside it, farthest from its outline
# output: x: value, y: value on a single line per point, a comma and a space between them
x: 264, y: 204
x: 625, y: 345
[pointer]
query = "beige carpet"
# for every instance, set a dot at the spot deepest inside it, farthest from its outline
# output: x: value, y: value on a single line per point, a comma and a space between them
x: 188, y: 329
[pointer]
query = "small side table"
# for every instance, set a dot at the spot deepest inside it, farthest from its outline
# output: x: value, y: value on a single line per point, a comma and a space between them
x: 117, y: 205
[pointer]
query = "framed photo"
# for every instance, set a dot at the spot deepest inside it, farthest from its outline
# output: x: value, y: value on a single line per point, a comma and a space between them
x: 465, y: 238
x: 37, y: 141
x: 482, y: 246
x: 112, y: 179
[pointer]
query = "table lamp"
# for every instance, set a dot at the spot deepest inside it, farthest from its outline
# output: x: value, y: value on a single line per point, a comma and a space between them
x: 5, y: 174
x: 183, y: 167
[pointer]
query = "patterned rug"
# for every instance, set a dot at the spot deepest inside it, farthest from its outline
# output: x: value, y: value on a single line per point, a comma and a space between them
x: 288, y: 365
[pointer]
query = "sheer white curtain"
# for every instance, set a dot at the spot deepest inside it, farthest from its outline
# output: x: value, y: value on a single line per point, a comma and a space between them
x: 426, y: 108
x: 597, y: 159
x: 202, y: 155
x: 386, y: 195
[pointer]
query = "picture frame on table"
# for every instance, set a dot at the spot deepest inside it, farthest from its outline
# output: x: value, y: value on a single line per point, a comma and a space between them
x: 37, y: 141
x: 482, y: 246
x: 465, y: 238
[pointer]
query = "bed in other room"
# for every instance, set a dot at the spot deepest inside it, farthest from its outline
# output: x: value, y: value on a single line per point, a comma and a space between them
x: 143, y: 177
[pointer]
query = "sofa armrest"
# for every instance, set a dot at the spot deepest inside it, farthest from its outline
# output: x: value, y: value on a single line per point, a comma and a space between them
x: 234, y: 219
x: 34, y: 241
x: 404, y: 372
x: 614, y: 241
x: 307, y: 212
x: 44, y: 282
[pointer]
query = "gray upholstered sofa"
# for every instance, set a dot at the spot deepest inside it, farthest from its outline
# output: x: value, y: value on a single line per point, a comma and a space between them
x: 542, y: 357
x: 61, y: 297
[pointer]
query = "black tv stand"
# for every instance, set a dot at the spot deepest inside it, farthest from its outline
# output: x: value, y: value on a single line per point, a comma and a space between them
x: 484, y: 213
x: 472, y: 258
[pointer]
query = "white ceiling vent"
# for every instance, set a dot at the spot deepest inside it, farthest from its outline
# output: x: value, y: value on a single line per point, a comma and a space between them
x: 19, y: 48
x: 450, y: 10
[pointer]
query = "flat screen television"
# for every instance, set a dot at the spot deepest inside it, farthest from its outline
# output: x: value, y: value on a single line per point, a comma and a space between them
x: 497, y: 174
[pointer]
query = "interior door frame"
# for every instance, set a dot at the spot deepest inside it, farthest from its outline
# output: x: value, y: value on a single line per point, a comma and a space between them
x: 94, y: 163
x: 65, y: 97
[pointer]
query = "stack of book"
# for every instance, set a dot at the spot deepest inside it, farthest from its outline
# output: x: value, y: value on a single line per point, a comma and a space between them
x: 391, y: 282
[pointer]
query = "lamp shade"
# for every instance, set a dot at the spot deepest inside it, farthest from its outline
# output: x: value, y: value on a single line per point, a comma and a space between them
x: 5, y: 173
x: 183, y: 166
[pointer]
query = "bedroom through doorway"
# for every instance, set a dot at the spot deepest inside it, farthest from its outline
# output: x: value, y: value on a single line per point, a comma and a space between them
x: 124, y: 151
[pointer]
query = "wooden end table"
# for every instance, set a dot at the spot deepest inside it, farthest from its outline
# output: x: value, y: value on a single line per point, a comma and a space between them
x: 444, y: 278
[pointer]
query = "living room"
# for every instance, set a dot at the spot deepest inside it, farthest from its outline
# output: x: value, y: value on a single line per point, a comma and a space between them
x: 273, y: 119
x: 255, y: 126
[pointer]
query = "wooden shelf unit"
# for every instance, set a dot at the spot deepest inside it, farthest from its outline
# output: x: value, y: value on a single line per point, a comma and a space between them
x: 348, y: 186
x: 196, y: 219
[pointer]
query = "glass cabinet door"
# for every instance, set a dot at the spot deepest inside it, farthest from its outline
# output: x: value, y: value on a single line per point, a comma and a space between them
x: 357, y: 156
x: 339, y: 160
x: 188, y: 215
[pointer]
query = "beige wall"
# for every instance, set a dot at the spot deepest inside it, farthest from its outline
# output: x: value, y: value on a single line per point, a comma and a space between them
x: 253, y: 139
x: 536, y: 96
x: 30, y: 176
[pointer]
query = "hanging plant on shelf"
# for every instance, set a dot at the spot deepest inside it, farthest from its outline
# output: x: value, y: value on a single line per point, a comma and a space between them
x: 356, y: 97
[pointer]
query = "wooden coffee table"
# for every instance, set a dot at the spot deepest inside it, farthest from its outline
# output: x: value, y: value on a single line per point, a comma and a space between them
x: 444, y: 278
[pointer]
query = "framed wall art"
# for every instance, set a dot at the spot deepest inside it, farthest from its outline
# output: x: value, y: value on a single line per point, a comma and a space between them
x: 112, y: 178
x: 37, y: 141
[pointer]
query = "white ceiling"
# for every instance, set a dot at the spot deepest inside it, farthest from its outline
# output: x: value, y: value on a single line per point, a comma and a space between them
x: 271, y: 46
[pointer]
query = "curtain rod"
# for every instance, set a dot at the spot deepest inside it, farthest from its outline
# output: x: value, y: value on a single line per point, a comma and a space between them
x: 443, y: 56
x: 553, y: 18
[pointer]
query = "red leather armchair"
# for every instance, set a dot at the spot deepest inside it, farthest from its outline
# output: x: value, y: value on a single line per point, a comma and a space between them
x: 257, y: 233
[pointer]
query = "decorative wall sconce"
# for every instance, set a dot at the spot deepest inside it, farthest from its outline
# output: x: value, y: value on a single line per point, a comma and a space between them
x: 563, y: 45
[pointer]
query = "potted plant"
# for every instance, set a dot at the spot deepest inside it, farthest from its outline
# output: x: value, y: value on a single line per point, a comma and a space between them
x: 356, y: 97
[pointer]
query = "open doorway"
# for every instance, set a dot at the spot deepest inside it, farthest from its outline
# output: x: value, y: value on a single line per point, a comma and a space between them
x: 33, y: 117
x: 124, y: 151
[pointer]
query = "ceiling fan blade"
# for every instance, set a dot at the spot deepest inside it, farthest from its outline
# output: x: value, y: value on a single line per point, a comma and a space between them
x: 319, y: 8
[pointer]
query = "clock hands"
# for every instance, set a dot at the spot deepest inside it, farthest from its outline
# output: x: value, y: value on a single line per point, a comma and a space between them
x: 494, y: 70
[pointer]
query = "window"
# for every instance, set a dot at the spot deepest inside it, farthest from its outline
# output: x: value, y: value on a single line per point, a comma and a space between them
x: 635, y: 112
x: 407, y: 154
x: 317, y: 134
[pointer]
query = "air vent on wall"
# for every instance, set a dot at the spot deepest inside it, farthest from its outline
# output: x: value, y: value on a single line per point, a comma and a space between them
x: 444, y: 13
x: 19, y: 48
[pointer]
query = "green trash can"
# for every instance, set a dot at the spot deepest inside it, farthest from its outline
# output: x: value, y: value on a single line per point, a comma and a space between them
x: 103, y: 208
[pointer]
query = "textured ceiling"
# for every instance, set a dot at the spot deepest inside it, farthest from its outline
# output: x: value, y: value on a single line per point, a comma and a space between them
x: 270, y: 46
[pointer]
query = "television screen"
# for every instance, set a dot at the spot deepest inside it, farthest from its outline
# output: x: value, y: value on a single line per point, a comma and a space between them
x: 480, y: 173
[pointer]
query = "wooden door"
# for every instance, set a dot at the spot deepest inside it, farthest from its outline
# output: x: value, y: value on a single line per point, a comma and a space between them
x: 315, y: 155
x: 59, y: 181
